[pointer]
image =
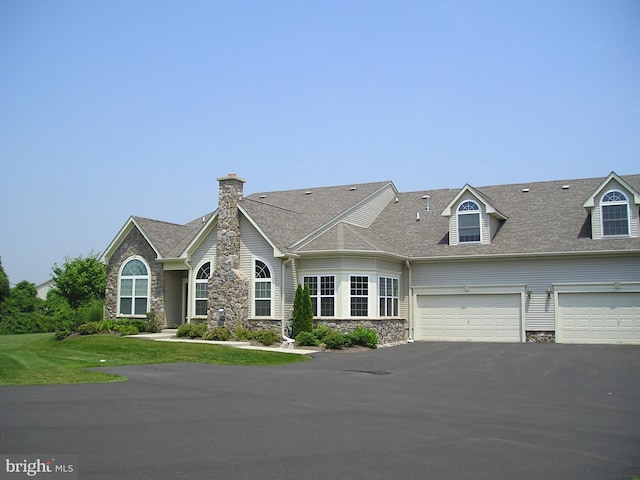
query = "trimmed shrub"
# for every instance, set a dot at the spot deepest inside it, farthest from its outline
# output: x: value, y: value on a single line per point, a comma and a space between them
x: 90, y: 328
x: 152, y: 323
x: 307, y: 339
x: 124, y: 329
x: 364, y: 337
x: 62, y: 334
x: 302, y: 311
x: 184, y: 330
x: 336, y: 340
x: 243, y: 333
x: 221, y: 334
x: 268, y: 337
x: 320, y: 333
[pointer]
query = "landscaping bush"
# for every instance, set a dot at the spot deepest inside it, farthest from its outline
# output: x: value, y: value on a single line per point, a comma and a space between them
x: 302, y: 311
x: 221, y: 334
x: 152, y: 323
x: 268, y: 337
x: 127, y: 329
x: 320, y: 333
x: 141, y: 325
x: 307, y: 339
x: 336, y: 340
x: 62, y: 334
x: 105, y: 326
x: 364, y: 337
x: 184, y: 330
x: 243, y: 333
x: 90, y: 328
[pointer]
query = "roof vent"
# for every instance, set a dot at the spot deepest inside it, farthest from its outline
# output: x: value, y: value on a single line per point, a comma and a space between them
x: 263, y: 196
x: 427, y: 199
x: 308, y: 192
x: 352, y: 189
x: 565, y: 187
x: 525, y: 190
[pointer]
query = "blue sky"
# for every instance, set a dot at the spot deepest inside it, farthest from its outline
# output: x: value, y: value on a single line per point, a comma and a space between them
x: 112, y: 108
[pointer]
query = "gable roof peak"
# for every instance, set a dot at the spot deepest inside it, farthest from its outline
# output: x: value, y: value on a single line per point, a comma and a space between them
x: 589, y: 203
x: 480, y: 196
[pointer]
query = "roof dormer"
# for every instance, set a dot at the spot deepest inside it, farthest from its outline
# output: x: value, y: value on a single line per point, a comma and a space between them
x: 472, y: 218
x: 613, y: 206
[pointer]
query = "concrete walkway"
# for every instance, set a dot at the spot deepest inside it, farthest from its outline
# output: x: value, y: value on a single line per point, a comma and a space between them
x: 169, y: 335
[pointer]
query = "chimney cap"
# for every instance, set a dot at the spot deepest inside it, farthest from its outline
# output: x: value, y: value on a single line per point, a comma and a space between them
x: 231, y: 176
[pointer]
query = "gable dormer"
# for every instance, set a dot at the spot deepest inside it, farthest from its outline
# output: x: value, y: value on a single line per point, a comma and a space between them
x: 472, y: 218
x: 614, y: 209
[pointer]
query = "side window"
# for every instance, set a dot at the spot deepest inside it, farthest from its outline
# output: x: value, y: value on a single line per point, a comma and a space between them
x: 134, y: 288
x: 359, y: 292
x: 262, y: 290
x: 615, y: 214
x: 202, y: 289
x: 468, y: 222
x: 388, y: 296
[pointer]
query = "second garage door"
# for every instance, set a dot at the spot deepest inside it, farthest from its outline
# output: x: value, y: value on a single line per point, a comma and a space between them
x: 479, y: 318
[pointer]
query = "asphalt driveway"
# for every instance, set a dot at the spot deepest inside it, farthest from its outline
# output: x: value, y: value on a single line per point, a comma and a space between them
x: 418, y: 411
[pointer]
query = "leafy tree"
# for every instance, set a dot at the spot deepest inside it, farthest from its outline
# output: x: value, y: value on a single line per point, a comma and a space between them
x: 21, y: 312
x: 302, y: 311
x: 5, y: 286
x: 80, y: 280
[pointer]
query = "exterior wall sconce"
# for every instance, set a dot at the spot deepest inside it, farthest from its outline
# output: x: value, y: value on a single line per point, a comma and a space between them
x: 528, y: 292
x: 221, y: 316
x: 549, y: 292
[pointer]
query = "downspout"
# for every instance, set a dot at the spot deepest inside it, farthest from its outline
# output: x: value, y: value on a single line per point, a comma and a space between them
x: 410, y: 332
x: 188, y: 309
x: 282, y: 294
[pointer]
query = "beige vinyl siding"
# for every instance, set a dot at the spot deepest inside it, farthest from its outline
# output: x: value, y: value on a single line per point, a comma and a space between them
x: 364, y: 214
x: 537, y: 274
x: 206, y: 251
x: 173, y: 297
x: 596, y: 217
x: 254, y: 246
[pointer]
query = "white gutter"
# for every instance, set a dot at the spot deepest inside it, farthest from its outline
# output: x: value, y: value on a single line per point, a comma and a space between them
x: 282, y: 294
x: 410, y: 332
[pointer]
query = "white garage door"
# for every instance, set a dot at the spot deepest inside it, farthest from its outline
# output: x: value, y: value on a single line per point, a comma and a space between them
x: 599, y: 318
x: 475, y: 318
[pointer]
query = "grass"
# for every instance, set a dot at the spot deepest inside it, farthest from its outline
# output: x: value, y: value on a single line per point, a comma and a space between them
x: 39, y: 359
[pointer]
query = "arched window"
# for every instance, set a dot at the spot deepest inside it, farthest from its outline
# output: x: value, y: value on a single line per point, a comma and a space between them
x: 134, y: 288
x: 615, y: 214
x: 468, y: 222
x: 262, y: 289
x: 202, y: 289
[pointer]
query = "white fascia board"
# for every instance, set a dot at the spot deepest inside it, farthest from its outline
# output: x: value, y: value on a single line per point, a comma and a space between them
x: 490, y: 209
x: 589, y: 203
x: 276, y: 251
x: 124, y: 231
x: 524, y: 256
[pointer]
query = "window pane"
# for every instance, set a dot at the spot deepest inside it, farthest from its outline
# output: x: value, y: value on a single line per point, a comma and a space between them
x: 141, y: 287
x: 614, y: 220
x: 134, y: 267
x: 395, y: 287
x: 201, y: 290
x: 141, y: 306
x: 204, y: 272
x: 262, y: 271
x: 312, y: 283
x: 469, y: 228
x: 125, y: 306
x: 327, y: 307
x: 358, y: 307
x: 359, y: 286
x: 327, y: 285
x: 201, y: 307
x: 395, y: 308
x: 263, y: 290
x: 383, y: 312
x: 126, y: 287
x: 263, y: 308
x: 314, y: 306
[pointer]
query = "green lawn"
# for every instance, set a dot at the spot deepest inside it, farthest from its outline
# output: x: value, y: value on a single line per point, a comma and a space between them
x: 40, y: 359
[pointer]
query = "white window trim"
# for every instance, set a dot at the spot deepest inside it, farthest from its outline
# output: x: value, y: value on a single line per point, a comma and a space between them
x: 468, y: 212
x: 259, y: 280
x: 610, y: 204
x: 148, y: 276
x: 369, y: 290
x: 197, y: 281
x: 397, y: 298
x: 319, y: 276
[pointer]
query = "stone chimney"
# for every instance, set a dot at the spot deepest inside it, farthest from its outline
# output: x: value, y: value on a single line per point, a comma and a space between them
x: 228, y: 287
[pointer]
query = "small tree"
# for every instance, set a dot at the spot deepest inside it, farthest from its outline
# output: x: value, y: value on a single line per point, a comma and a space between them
x: 80, y: 280
x: 302, y: 311
x: 5, y: 286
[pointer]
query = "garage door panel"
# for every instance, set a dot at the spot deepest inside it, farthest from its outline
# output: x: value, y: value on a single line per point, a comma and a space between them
x: 469, y: 318
x: 612, y: 317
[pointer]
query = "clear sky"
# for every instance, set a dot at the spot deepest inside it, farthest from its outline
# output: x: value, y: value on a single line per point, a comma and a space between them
x: 112, y: 108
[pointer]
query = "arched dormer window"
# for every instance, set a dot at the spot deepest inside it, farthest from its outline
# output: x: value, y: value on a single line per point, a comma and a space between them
x: 134, y: 288
x: 202, y: 289
x: 615, y: 214
x: 468, y: 222
x: 262, y: 290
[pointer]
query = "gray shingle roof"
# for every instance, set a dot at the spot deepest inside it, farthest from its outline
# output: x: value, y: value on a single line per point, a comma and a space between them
x: 545, y: 219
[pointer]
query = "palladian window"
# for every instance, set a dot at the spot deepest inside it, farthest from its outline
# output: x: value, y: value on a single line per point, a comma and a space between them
x: 202, y: 289
x: 468, y: 222
x: 615, y: 214
x: 262, y: 290
x: 134, y: 288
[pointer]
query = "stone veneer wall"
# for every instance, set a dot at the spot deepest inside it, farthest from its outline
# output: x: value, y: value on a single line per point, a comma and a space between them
x: 389, y: 331
x: 228, y: 287
x: 541, y: 337
x: 135, y: 244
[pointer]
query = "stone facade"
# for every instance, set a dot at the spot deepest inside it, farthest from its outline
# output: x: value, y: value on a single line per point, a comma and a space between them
x: 541, y: 337
x: 228, y: 287
x: 389, y: 331
x: 135, y: 245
